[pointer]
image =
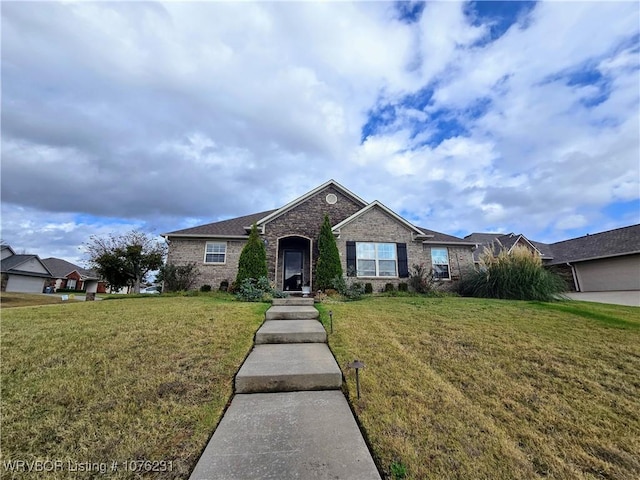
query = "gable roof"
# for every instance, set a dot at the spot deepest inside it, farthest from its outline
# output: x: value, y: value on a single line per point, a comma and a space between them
x: 620, y: 241
x: 480, y: 238
x: 231, y: 228
x: 60, y: 268
x: 376, y: 204
x: 12, y: 265
x: 331, y: 183
x: 238, y: 227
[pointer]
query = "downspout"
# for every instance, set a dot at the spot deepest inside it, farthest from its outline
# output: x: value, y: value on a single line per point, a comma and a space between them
x: 576, y: 284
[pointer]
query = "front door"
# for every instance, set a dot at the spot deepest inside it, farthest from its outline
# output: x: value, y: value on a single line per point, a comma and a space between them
x: 292, y: 270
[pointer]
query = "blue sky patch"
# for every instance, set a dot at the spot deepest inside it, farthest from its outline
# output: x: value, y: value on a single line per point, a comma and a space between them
x: 630, y: 209
x: 409, y: 12
x: 497, y: 16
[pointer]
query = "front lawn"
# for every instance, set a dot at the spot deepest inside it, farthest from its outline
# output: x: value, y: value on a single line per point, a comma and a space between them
x: 487, y: 389
x: 127, y: 380
x: 11, y: 299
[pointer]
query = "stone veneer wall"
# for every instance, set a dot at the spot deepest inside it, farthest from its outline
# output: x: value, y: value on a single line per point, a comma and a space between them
x: 305, y: 220
x: 185, y: 250
x: 378, y: 226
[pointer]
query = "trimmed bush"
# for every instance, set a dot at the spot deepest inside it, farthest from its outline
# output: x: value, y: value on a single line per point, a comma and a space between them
x: 351, y: 290
x: 224, y: 285
x: 368, y: 288
x: 518, y: 275
x: 328, y: 266
x: 252, y: 290
x: 205, y: 288
x: 253, y: 258
x: 403, y: 287
x: 389, y: 287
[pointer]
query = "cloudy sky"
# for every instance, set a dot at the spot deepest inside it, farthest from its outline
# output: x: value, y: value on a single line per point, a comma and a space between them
x: 462, y: 117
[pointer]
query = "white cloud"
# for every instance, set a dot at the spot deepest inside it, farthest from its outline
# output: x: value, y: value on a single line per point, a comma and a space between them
x: 174, y: 114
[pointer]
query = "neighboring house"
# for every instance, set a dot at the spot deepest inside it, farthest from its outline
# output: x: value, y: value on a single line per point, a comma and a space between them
x: 495, y: 242
x: 606, y: 261
x: 603, y: 261
x: 22, y: 273
x: 376, y: 245
x: 72, y: 277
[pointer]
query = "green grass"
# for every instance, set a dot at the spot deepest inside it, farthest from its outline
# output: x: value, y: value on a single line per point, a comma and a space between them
x: 491, y: 389
x: 11, y: 300
x: 453, y: 387
x: 122, y: 380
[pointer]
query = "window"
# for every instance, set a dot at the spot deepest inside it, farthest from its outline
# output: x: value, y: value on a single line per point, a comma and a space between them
x: 376, y: 260
x: 71, y: 283
x: 215, y: 252
x: 440, y: 263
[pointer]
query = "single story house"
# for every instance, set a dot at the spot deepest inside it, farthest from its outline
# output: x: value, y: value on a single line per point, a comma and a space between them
x: 605, y: 261
x: 68, y: 276
x: 376, y: 245
x: 22, y: 273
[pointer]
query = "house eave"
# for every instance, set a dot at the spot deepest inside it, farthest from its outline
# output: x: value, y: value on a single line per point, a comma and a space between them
x: 27, y: 274
x: 204, y: 235
x: 601, y: 257
x: 414, y: 230
x: 448, y: 242
x: 307, y: 195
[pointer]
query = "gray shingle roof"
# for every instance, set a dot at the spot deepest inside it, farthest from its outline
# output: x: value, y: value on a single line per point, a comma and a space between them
x: 443, y: 237
x: 11, y: 265
x: 619, y: 241
x: 479, y: 238
x: 60, y: 268
x: 231, y: 227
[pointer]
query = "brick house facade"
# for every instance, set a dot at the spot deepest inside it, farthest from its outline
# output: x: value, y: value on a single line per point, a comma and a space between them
x: 376, y: 245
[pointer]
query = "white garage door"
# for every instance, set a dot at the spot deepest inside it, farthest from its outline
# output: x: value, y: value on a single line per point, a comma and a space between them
x: 619, y: 273
x: 18, y: 283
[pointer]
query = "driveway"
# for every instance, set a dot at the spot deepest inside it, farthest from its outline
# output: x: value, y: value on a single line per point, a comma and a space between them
x: 630, y: 298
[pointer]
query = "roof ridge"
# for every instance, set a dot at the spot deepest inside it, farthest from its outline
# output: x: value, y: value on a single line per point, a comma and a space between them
x: 588, y: 235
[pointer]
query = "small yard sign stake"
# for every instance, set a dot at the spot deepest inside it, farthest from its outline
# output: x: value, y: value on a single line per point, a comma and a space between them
x: 331, y: 318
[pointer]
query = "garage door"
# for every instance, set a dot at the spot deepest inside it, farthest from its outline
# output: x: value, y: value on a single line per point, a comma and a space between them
x: 619, y: 273
x: 18, y: 283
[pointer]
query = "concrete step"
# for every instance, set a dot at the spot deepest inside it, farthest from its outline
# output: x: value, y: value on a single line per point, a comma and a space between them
x: 291, y: 331
x: 284, y: 312
x: 305, y: 435
x: 288, y: 368
x: 292, y: 301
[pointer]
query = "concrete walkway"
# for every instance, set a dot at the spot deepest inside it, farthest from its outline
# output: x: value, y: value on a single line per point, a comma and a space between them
x: 630, y: 297
x: 288, y: 419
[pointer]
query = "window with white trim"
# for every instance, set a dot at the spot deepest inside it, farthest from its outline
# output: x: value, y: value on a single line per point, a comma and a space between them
x: 440, y: 263
x: 71, y: 283
x: 215, y: 252
x: 376, y: 260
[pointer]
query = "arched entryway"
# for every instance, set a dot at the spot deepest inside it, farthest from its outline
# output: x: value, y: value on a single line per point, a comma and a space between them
x: 293, y: 270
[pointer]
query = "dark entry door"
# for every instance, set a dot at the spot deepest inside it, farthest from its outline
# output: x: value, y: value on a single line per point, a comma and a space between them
x: 292, y: 270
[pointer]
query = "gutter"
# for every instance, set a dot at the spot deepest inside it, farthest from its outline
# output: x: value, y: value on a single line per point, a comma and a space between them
x: 448, y: 242
x: 204, y: 235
